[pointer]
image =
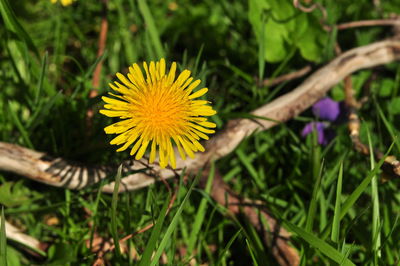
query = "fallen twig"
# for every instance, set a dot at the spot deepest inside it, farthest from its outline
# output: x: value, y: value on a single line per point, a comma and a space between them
x: 62, y: 173
x: 368, y: 23
x: 31, y: 244
x: 287, y: 77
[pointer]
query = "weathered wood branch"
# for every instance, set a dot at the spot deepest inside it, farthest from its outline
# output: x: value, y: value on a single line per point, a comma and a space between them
x: 62, y: 173
x: 31, y: 244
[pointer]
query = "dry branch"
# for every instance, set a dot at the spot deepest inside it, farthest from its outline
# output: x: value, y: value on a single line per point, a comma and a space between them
x: 286, y: 77
x: 62, y: 173
x: 33, y: 246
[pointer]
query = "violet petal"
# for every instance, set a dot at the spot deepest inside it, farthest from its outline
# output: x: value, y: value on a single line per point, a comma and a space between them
x: 326, y: 109
x: 319, y: 126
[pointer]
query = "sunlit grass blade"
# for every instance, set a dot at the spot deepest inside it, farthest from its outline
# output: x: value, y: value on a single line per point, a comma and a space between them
x: 364, y: 184
x: 3, y: 239
x: 253, y: 258
x: 376, y: 238
x: 155, y: 234
x: 199, y: 218
x: 387, y: 240
x: 154, y: 35
x: 114, y: 204
x: 95, y: 209
x: 172, y: 225
x: 357, y: 192
x: 336, y: 214
x: 314, y: 199
x: 319, y: 244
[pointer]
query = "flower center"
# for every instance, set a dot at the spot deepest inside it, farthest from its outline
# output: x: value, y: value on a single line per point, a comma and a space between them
x: 163, y: 113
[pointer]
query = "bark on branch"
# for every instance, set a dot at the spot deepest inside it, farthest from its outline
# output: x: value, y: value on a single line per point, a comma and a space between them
x: 62, y: 173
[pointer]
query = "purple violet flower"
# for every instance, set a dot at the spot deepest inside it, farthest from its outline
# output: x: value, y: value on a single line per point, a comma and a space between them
x: 327, y: 109
x: 320, y: 127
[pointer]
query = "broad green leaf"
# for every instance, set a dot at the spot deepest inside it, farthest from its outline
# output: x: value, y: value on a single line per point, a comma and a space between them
x: 394, y: 106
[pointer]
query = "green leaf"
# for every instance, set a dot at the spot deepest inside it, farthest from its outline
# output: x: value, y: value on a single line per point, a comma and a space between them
x: 394, y: 106
x: 308, y: 45
x: 275, y: 35
x: 12, y: 194
x: 385, y: 88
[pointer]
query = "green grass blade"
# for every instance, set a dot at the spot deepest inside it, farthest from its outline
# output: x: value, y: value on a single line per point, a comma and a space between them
x: 253, y: 257
x: 261, y: 51
x: 11, y: 23
x: 249, y: 166
x: 388, y: 126
x: 41, y: 77
x: 126, y: 35
x: 43, y: 109
x: 376, y: 238
x: 228, y: 245
x: 3, y: 240
x: 155, y: 233
x: 88, y: 73
x: 197, y: 61
x: 155, y: 37
x: 314, y: 199
x: 114, y: 204
x: 198, y: 220
x: 319, y: 244
x: 336, y: 214
x: 95, y: 209
x: 364, y: 184
x: 357, y: 193
x: 172, y: 226
x: 21, y: 128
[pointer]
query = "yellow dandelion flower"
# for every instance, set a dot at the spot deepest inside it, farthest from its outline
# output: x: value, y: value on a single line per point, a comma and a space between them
x: 63, y: 2
x: 160, y: 111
